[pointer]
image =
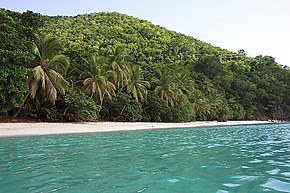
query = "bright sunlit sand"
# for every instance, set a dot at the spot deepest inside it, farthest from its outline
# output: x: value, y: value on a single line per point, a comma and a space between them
x: 26, y: 129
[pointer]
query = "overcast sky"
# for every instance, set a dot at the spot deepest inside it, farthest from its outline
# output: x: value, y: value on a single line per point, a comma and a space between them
x: 257, y: 26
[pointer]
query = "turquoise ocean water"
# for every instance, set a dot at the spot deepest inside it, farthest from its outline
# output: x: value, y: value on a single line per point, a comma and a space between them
x: 243, y: 159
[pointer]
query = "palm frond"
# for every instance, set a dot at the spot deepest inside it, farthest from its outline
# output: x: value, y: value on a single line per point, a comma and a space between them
x: 50, y: 90
x: 36, y: 51
x: 33, y: 86
x: 59, y: 63
x: 59, y: 82
x: 39, y: 76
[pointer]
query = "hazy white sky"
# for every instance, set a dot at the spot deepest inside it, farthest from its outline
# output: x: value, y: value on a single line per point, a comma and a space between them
x: 257, y: 26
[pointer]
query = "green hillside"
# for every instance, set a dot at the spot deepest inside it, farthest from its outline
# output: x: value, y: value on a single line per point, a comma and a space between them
x: 127, y: 69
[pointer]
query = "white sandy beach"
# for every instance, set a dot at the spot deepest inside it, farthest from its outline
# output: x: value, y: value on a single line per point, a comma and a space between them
x: 26, y: 129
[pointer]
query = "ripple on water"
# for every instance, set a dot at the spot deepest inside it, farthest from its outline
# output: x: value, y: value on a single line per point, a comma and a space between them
x: 273, y: 172
x: 231, y: 185
x: 222, y: 191
x: 266, y: 154
x: 256, y: 161
x: 246, y: 178
x: 277, y: 185
x: 286, y: 174
x: 173, y: 180
x: 143, y: 189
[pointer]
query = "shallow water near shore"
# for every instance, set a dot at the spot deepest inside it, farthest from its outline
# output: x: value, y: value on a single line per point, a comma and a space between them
x: 246, y: 159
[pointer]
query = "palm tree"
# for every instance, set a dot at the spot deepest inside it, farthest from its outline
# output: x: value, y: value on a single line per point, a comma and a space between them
x: 137, y: 85
x: 165, y: 89
x: 210, y: 105
x: 117, y: 58
x: 95, y: 79
x: 217, y: 103
x: 207, y: 86
x: 45, y: 76
x: 202, y: 108
x: 187, y: 85
x: 201, y: 105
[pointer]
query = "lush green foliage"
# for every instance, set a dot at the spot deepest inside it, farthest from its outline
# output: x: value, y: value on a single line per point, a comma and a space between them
x: 78, y: 106
x: 121, y: 108
x: 134, y: 70
x: 12, y: 87
x: 156, y: 109
x: 16, y: 33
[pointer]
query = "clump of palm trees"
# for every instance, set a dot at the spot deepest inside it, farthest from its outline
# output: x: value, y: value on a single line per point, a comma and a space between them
x: 98, y: 78
x: 102, y: 77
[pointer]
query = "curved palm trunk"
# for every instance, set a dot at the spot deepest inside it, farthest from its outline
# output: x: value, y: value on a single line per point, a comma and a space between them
x: 101, y: 101
x: 22, y: 104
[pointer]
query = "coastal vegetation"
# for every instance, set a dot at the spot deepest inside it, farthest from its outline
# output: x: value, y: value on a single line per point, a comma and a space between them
x: 110, y: 66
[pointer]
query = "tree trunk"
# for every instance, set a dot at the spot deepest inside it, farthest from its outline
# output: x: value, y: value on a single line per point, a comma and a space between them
x: 101, y: 101
x: 22, y: 104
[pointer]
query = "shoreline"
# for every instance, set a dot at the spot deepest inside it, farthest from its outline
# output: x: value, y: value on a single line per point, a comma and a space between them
x: 45, y: 128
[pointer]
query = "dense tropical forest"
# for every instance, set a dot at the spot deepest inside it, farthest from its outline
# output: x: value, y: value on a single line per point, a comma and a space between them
x: 110, y: 66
